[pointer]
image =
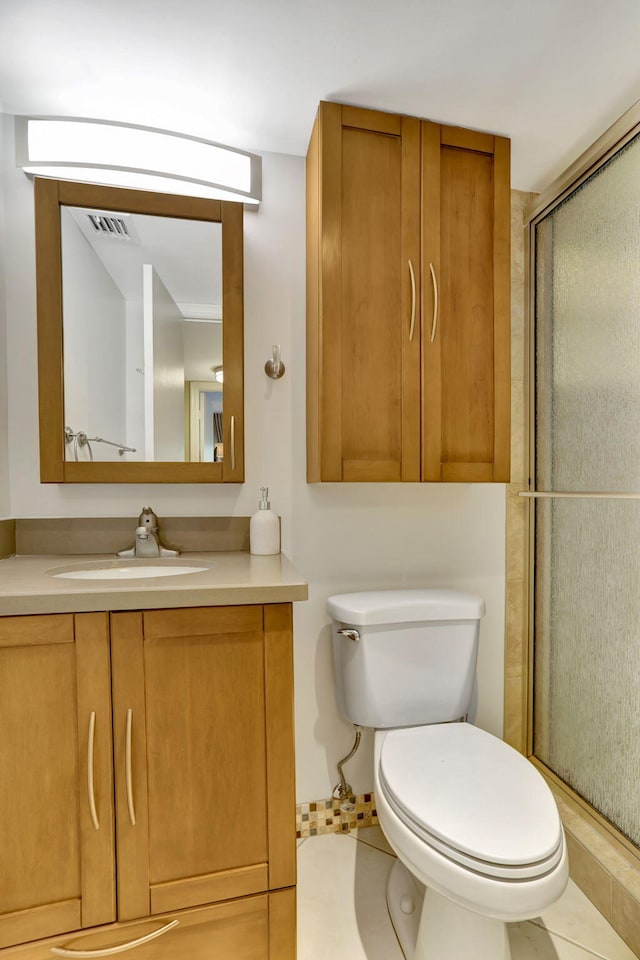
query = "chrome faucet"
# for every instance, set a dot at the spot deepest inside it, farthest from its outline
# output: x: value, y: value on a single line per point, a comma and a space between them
x: 147, y: 542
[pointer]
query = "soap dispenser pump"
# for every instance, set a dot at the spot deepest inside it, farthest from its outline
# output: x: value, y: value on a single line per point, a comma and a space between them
x: 264, y: 528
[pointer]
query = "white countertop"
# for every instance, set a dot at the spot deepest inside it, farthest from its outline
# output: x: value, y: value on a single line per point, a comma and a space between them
x: 27, y: 585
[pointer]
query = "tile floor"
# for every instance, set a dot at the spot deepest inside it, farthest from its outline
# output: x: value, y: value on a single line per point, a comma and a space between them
x: 342, y: 909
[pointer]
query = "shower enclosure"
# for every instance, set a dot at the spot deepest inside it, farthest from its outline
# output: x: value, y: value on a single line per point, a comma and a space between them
x: 586, y: 486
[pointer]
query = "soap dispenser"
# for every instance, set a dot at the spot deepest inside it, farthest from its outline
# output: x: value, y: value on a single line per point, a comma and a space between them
x: 264, y: 529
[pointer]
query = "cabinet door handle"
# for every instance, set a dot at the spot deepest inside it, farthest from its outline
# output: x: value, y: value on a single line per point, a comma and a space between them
x: 120, y: 948
x: 127, y: 768
x: 90, y: 785
x: 413, y: 301
x: 233, y: 443
x: 434, y: 324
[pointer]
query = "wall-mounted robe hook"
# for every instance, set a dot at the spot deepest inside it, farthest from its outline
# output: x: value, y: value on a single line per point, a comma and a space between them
x: 274, y: 368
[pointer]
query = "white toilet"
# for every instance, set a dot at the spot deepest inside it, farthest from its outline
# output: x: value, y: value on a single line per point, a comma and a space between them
x: 469, y: 818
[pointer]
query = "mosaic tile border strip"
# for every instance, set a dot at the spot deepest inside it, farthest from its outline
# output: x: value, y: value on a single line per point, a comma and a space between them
x: 328, y: 816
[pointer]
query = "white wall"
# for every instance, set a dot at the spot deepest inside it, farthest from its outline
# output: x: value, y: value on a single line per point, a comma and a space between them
x: 378, y: 536
x: 202, y: 349
x: 339, y: 537
x: 94, y: 346
x: 163, y: 370
x: 4, y: 441
x: 134, y: 379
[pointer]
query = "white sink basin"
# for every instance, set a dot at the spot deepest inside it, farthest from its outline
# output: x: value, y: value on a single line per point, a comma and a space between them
x: 128, y: 569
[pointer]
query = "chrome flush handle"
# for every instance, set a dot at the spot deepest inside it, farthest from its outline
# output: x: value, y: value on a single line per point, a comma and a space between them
x: 349, y: 634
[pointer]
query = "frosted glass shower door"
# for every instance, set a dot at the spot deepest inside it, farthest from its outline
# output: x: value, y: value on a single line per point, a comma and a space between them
x: 587, y: 549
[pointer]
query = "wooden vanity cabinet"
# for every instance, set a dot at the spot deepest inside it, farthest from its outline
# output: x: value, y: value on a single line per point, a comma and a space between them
x: 201, y: 768
x: 408, y: 314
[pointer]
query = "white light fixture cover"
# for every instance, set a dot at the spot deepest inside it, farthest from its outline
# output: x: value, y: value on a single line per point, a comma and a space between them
x: 140, y: 158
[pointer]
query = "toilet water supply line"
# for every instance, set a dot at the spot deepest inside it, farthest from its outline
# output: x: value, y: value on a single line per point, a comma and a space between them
x: 342, y: 791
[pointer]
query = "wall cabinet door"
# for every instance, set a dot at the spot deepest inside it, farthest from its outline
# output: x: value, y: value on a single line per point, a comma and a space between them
x: 202, y: 720
x: 408, y: 313
x: 56, y: 812
x: 363, y: 310
x: 466, y: 226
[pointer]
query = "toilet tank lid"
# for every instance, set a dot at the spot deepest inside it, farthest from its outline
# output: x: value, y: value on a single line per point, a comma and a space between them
x: 404, y: 606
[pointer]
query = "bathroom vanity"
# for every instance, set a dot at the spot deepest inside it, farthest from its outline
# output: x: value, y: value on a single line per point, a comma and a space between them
x: 147, y: 749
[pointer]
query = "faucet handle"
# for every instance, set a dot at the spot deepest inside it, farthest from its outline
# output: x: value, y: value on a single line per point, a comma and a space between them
x: 146, y: 530
x: 148, y: 518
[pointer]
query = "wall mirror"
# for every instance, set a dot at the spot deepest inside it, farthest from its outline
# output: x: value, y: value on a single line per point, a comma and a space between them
x: 140, y: 336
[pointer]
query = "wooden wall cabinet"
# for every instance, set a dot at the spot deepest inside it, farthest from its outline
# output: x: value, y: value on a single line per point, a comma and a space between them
x: 408, y: 311
x: 152, y: 756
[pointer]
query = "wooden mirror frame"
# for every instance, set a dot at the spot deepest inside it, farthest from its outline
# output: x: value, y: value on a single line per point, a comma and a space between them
x: 50, y: 195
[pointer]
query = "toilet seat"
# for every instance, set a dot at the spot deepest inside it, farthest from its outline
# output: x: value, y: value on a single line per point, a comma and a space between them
x: 472, y: 798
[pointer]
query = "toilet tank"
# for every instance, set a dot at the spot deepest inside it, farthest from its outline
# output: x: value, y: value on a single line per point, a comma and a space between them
x: 415, y: 659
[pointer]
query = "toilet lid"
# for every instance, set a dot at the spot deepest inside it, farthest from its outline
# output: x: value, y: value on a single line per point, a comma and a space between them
x: 473, y: 797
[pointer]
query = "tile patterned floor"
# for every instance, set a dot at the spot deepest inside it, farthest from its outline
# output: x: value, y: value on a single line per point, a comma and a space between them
x: 342, y: 909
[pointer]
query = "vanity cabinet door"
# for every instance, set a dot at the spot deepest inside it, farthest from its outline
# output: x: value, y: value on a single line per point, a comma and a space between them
x: 56, y: 811
x: 196, y: 729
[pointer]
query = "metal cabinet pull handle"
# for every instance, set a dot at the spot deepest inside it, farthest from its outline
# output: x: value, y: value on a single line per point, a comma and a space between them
x: 434, y: 325
x: 413, y: 300
x: 90, y: 785
x: 349, y: 634
x: 127, y: 764
x: 121, y: 947
x: 233, y: 443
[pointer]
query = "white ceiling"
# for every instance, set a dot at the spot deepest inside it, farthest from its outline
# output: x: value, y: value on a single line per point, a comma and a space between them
x: 550, y: 74
x: 186, y: 254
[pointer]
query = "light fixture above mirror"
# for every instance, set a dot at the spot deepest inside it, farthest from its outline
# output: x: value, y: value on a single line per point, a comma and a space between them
x: 139, y: 158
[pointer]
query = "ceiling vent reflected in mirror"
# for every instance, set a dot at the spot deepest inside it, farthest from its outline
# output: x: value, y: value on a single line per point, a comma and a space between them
x: 106, y: 225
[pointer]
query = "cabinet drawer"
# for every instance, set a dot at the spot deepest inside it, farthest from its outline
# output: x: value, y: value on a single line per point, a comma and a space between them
x: 253, y: 928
